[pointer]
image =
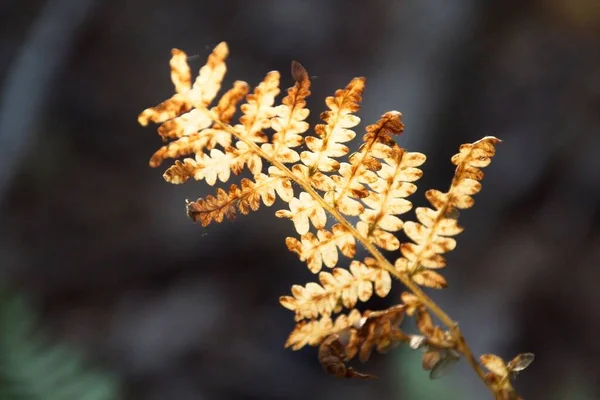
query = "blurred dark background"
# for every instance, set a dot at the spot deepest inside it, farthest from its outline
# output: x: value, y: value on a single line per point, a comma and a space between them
x: 112, y: 265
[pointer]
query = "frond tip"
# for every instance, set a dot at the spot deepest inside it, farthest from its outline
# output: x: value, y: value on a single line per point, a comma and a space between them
x: 339, y: 119
x: 432, y: 235
x: 199, y: 95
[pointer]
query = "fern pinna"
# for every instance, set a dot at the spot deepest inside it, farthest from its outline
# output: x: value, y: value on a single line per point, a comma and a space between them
x: 372, y: 184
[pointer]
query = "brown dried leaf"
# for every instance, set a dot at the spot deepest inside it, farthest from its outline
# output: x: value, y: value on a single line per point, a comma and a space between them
x: 174, y: 106
x: 380, y: 330
x: 379, y: 237
x: 373, y: 185
x: 180, y: 172
x: 192, y: 128
x: 245, y: 198
x: 242, y: 155
x: 332, y: 356
x: 382, y: 131
x: 424, y: 322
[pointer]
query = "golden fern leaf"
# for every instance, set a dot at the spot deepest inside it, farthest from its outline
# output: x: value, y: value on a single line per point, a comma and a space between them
x: 432, y: 234
x: 256, y: 117
x: 198, y: 96
x: 349, y: 184
x: 388, y: 170
x: 178, y: 103
x: 323, y: 248
x: 339, y: 119
x: 340, y: 288
x: 245, y: 198
x: 258, y: 114
x: 259, y: 110
x: 193, y: 142
x: 288, y: 122
x: 303, y: 209
x: 316, y: 249
x: 387, y: 197
x: 321, y: 151
x: 313, y: 332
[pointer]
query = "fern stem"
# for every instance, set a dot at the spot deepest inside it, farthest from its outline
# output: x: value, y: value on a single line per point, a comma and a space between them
x: 461, y: 344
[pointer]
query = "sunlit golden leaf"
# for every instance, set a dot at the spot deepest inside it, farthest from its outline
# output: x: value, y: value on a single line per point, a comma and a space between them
x: 181, y: 76
x: 258, y: 110
x: 289, y: 120
x: 303, y: 209
x: 430, y: 234
x: 430, y: 279
x: 313, y: 332
x: 339, y: 119
x: 342, y: 285
x: 323, y: 248
x: 187, y: 97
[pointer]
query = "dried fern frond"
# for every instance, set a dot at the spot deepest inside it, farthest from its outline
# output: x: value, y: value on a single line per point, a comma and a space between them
x: 188, y: 96
x: 192, y: 142
x: 373, y: 184
x: 340, y: 288
x: 339, y: 119
x: 288, y: 122
x: 432, y: 235
x: 313, y: 332
x: 323, y: 248
x: 501, y: 373
x: 387, y: 199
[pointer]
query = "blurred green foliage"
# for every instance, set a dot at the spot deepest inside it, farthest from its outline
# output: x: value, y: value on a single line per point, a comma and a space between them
x: 34, y: 367
x: 414, y: 383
